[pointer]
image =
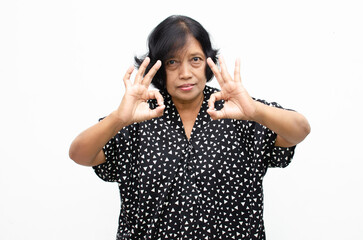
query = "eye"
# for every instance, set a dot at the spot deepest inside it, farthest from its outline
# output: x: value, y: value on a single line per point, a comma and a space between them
x: 171, y: 62
x: 196, y: 59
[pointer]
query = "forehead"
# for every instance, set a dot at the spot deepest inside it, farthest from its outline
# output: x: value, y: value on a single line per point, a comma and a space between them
x: 192, y: 46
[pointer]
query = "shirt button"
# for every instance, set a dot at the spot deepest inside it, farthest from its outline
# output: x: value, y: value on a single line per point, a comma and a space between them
x: 190, y: 147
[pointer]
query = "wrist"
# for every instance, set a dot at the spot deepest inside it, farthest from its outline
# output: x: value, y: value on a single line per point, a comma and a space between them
x: 260, y: 109
x: 117, y: 120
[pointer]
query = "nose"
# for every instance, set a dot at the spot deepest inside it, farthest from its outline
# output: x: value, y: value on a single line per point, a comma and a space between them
x: 185, y: 71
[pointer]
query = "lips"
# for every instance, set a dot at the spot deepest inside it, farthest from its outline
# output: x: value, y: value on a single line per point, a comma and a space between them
x: 186, y: 87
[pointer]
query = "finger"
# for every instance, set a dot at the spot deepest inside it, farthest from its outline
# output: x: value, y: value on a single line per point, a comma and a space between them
x: 157, y: 112
x: 213, y: 98
x: 215, y: 71
x: 127, y: 76
x: 224, y: 71
x: 140, y: 74
x: 149, y: 76
x: 156, y: 95
x: 214, y: 114
x: 237, y: 69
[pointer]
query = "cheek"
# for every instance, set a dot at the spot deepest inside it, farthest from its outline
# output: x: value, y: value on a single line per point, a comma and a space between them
x: 202, y: 75
x: 202, y: 70
x: 167, y: 86
x: 169, y: 81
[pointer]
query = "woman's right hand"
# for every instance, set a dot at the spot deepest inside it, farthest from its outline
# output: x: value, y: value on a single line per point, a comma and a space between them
x: 134, y: 106
x: 86, y: 148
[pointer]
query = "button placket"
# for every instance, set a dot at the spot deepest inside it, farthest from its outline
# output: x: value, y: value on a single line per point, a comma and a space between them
x: 189, y: 157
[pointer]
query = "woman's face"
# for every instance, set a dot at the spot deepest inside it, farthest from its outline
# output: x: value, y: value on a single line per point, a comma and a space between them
x: 185, y: 73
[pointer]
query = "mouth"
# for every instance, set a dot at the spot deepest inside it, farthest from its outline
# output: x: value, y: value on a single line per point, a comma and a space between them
x: 186, y: 87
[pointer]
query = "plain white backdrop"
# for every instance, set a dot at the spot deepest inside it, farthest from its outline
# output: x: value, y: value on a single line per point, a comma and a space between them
x: 61, y: 68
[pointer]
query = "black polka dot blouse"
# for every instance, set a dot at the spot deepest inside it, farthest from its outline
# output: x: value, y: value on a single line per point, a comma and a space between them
x: 207, y: 187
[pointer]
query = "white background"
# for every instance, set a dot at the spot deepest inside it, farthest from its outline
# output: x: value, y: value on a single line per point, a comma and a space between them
x: 61, y: 68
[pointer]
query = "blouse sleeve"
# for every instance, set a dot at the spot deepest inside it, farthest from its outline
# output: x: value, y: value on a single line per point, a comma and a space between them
x: 281, y: 156
x: 273, y: 156
x: 118, y: 156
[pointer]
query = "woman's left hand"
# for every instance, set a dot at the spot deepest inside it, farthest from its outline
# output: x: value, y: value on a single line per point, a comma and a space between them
x: 238, y: 103
x: 291, y: 127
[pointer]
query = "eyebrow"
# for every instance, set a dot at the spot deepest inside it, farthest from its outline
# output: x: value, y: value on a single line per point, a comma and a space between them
x: 197, y: 53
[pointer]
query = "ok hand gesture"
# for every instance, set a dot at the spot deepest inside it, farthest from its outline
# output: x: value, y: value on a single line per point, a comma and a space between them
x: 86, y: 149
x: 238, y: 103
x: 134, y: 106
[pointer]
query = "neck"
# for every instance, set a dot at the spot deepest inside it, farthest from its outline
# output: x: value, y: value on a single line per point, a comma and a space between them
x: 192, y: 105
x: 188, y: 112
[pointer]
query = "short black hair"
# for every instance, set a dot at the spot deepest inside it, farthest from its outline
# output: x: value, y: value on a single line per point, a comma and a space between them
x: 170, y: 36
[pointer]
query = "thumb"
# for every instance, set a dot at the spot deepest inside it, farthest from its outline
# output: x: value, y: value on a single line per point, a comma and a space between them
x: 216, y: 114
x: 157, y: 112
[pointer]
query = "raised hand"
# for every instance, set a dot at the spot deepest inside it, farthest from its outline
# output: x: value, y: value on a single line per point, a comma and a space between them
x: 134, y: 106
x: 238, y: 103
x: 86, y: 149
